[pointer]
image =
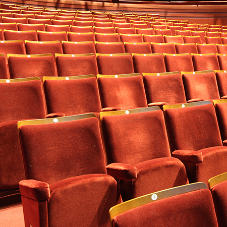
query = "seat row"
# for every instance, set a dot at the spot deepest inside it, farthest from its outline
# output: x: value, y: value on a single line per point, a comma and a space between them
x: 64, y: 65
x: 147, y: 149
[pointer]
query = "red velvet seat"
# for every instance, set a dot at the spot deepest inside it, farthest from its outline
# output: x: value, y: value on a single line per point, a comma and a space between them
x: 109, y: 48
x: 57, y: 28
x: 20, y: 35
x: 221, y: 76
x: 72, y: 95
x: 24, y: 66
x: 189, y: 206
x: 46, y: 47
x: 82, y: 29
x: 23, y: 20
x: 62, y: 22
x: 131, y: 38
x: 192, y: 39
x: 200, y: 85
x: 149, y: 63
x: 39, y: 21
x: 4, y: 70
x: 183, y: 32
x: 107, y: 37
x: 70, y: 47
x: 126, y: 30
x: 113, y: 64
x: 145, y: 31
x: 222, y: 60
x: 195, y: 139
x: 76, y: 64
x: 207, y: 48
x: 162, y: 32
x: 104, y: 30
x: 222, y: 48
x: 12, y: 47
x: 203, y: 62
x: 173, y: 39
x: 8, y: 26
x: 190, y: 48
x: 81, y: 37
x: 138, y: 48
x: 153, y: 38
x: 178, y: 62
x: 31, y: 27
x: 214, y: 40
x: 164, y: 88
x: 138, y: 152
x: 21, y: 99
x: 71, y: 185
x: 52, y: 36
x: 83, y: 23
x: 168, y: 48
x: 218, y: 186
x: 121, y: 91
x: 202, y: 35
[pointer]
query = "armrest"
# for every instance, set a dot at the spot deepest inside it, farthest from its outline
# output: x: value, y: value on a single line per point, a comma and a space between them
x: 188, y: 156
x: 157, y: 104
x: 55, y: 115
x: 122, y: 171
x: 36, y: 190
x: 110, y: 109
x: 225, y: 143
x: 195, y: 100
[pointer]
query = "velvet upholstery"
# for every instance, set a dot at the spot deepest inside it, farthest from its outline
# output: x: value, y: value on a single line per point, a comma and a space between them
x: 78, y: 47
x: 173, y: 39
x: 20, y: 35
x: 206, y: 48
x: 149, y: 63
x: 202, y: 35
x: 109, y: 48
x: 57, y: 28
x: 108, y: 37
x: 220, y: 202
x: 62, y: 22
x: 39, y: 21
x: 205, y: 62
x: 73, y: 96
x: 20, y: 100
x: 178, y: 62
x: 192, y: 39
x: 213, y: 40
x: 221, y: 77
x: 8, y: 26
x: 168, y: 48
x: 186, y: 48
x: 222, y: 59
x: 164, y: 88
x: 113, y: 64
x: 12, y: 47
x: 153, y: 38
x: 83, y: 23
x: 83, y: 29
x: 125, y: 30
x: 162, y: 32
x: 140, y: 139
x: 29, y: 27
x: 4, y: 71
x: 199, y: 118
x: 104, y: 30
x: 139, y: 48
x: 132, y: 38
x: 222, y: 48
x: 51, y: 47
x: 81, y: 37
x: 72, y: 189
x: 184, y: 33
x: 145, y: 31
x: 191, y: 209
x: 14, y: 20
x: 76, y: 65
x: 123, y: 92
x: 201, y: 85
x: 24, y: 66
x: 52, y: 36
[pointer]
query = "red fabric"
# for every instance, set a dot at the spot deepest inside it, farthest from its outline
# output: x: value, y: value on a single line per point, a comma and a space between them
x: 222, y: 80
x: 220, y: 202
x: 205, y: 62
x: 140, y: 48
x: 165, y: 88
x: 153, y: 63
x: 81, y: 37
x: 76, y: 65
x: 122, y: 92
x: 213, y: 40
x: 221, y: 109
x: 134, y: 38
x: 14, y: 20
x: 12, y: 47
x: 53, y: 152
x: 39, y: 21
x: 122, y: 171
x: 29, y: 27
x: 222, y: 49
x: 173, y: 39
x: 110, y: 48
x: 50, y: 47
x: 52, y: 36
x: 8, y: 26
x: 153, y: 38
x: 62, y: 22
x: 4, y: 70
x: 72, y: 96
x: 104, y: 29
x: 168, y: 48
x: 34, y: 66
x: 207, y: 48
x: 188, y: 209
x: 109, y: 37
x: 83, y: 29
x: 21, y: 35
x: 115, y: 64
x: 188, y: 156
x: 78, y: 47
x: 57, y: 28
x: 192, y: 39
x: 162, y: 32
x: 181, y: 62
x: 201, y: 86
x: 222, y: 59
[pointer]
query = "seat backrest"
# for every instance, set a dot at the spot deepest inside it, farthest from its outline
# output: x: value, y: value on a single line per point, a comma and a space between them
x: 52, y: 36
x: 186, y: 48
x: 24, y: 66
x: 60, y: 148
x: 135, y: 136
x: 81, y: 37
x: 206, y: 48
x: 70, y: 47
x: 109, y: 48
x: 222, y: 60
x: 113, y: 64
x: 139, y: 48
x: 192, y: 204
x: 20, y: 35
x: 165, y: 88
x: 107, y: 37
x: 168, y: 48
x: 72, y: 95
x: 76, y: 64
x: 122, y: 91
x: 192, y: 126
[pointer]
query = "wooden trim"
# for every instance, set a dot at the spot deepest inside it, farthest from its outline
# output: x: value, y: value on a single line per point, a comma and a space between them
x: 68, y: 77
x: 118, y: 75
x: 217, y: 179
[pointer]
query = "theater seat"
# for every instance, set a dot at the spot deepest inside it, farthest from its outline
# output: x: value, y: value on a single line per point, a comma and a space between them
x: 195, y: 139
x: 66, y: 185
x: 138, y: 152
x: 189, y: 206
